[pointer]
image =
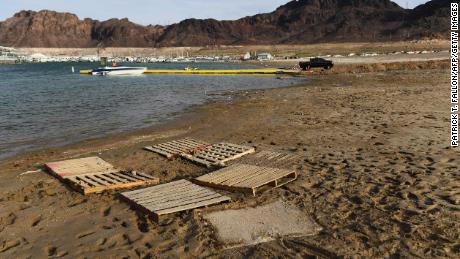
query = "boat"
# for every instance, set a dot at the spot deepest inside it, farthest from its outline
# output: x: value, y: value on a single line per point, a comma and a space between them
x: 188, y: 68
x: 105, y: 71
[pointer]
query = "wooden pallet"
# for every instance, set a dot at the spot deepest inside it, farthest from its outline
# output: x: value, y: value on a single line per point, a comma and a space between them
x: 273, y: 159
x: 218, y: 154
x: 247, y: 178
x: 94, y: 175
x: 96, y: 183
x: 172, y: 197
x: 82, y: 166
x: 175, y: 148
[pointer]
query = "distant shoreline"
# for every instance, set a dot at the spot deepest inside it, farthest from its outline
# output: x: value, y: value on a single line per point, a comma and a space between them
x: 277, y: 50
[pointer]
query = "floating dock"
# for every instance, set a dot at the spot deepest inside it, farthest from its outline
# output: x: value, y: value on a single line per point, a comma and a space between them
x: 214, y: 72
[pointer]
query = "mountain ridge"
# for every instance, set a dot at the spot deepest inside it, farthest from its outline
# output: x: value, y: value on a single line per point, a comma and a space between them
x: 296, y: 22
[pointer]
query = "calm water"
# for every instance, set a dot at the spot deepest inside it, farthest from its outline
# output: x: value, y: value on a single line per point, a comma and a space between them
x: 43, y: 105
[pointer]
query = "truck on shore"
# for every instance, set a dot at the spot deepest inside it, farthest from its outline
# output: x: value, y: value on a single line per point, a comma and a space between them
x: 316, y: 62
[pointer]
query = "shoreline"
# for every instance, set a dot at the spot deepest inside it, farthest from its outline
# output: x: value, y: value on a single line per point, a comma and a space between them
x: 191, y: 113
x: 177, y: 124
x: 277, y: 49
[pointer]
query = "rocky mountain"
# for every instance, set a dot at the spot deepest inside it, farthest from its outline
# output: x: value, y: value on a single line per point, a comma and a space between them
x: 428, y: 20
x: 297, y: 22
x: 53, y: 29
x: 46, y: 29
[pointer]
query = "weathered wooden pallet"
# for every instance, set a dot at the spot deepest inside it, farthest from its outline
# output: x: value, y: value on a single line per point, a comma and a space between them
x: 275, y: 159
x: 176, y: 147
x: 81, y: 166
x: 218, y: 154
x: 247, y: 178
x: 94, y: 175
x: 172, y: 197
x: 96, y: 183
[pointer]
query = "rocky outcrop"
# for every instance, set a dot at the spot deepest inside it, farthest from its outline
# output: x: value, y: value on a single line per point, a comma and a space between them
x: 46, y: 29
x: 123, y: 33
x: 430, y: 20
x: 297, y: 22
x: 303, y: 21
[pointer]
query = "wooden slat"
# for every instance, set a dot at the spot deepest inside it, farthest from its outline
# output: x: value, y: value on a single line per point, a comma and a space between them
x: 116, y: 178
x: 275, y: 159
x: 236, y: 172
x: 158, y: 189
x: 194, y: 205
x: 249, y: 175
x: 214, y: 174
x: 128, y: 177
x: 166, y: 199
x: 218, y: 154
x: 90, y: 180
x: 247, y: 178
x: 80, y: 182
x: 102, y: 182
x: 176, y: 147
x: 208, y: 156
x: 173, y: 197
x: 181, y: 202
x: 184, y: 191
x: 265, y: 178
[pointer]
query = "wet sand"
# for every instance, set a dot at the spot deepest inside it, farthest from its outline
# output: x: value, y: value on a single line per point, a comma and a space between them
x: 378, y: 176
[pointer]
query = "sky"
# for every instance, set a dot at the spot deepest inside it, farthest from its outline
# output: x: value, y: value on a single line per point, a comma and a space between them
x: 155, y: 11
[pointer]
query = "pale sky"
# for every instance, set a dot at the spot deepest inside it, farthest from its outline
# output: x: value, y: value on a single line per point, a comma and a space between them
x: 154, y: 11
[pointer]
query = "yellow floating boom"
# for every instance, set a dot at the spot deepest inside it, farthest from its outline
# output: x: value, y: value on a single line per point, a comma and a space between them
x: 216, y: 72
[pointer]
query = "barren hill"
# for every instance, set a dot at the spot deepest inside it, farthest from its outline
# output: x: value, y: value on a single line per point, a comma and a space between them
x: 297, y: 22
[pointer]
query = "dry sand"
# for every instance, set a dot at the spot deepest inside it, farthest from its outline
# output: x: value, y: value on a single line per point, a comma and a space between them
x: 264, y: 223
x: 380, y: 178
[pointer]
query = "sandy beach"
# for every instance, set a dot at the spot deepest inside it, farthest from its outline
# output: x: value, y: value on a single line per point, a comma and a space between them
x: 378, y: 176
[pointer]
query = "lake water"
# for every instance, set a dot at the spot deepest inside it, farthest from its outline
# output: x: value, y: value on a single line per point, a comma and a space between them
x: 44, y: 105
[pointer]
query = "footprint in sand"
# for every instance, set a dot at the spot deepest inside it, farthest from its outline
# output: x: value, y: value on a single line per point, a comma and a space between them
x: 85, y: 234
x: 106, y: 212
x: 101, y: 241
x: 117, y: 240
x: 7, y: 245
x: 8, y: 220
x: 51, y: 250
x: 143, y: 227
x: 106, y: 227
x: 36, y: 221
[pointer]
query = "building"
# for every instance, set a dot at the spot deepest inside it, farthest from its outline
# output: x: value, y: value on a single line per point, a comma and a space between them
x: 247, y: 56
x: 264, y: 56
x: 7, y: 55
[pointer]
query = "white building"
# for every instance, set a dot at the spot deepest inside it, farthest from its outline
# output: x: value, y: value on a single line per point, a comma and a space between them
x: 264, y: 56
x: 247, y: 56
x: 8, y: 55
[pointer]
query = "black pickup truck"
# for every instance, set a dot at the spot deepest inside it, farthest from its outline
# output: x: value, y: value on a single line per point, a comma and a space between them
x: 316, y: 62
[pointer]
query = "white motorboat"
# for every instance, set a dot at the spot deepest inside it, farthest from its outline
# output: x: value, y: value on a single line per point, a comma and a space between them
x: 105, y: 71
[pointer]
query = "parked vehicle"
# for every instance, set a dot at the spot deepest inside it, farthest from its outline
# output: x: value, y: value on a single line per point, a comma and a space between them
x: 316, y: 62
